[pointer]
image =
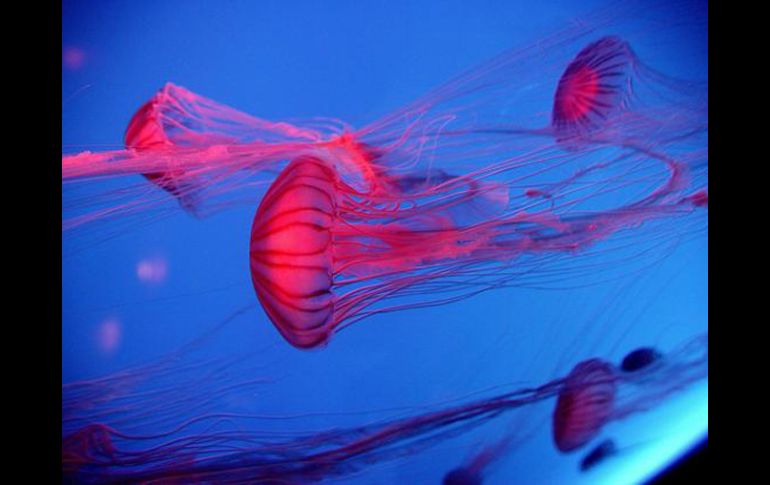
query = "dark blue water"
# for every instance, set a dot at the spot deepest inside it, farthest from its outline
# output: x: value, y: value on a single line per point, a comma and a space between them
x: 154, y: 287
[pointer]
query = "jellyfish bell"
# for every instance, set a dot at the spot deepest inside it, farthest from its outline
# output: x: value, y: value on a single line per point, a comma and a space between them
x: 146, y: 132
x: 584, y: 405
x: 594, y: 86
x: 291, y: 265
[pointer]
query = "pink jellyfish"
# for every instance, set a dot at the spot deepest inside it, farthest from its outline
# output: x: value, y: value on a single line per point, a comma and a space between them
x: 594, y: 86
x: 146, y: 132
x: 589, y: 397
x: 595, y: 393
x: 177, y: 120
x: 178, y: 130
x: 330, y: 245
x: 585, y: 404
x: 224, y: 448
x: 195, y: 149
x: 323, y: 252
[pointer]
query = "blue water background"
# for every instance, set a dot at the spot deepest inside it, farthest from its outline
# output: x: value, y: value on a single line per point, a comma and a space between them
x: 354, y: 61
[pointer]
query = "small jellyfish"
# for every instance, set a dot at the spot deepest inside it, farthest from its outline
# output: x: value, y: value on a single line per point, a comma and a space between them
x: 97, y: 447
x: 201, y: 152
x: 584, y: 405
x: 601, y: 452
x: 594, y: 85
x: 589, y: 399
x: 639, y: 359
x: 87, y: 445
x: 148, y: 131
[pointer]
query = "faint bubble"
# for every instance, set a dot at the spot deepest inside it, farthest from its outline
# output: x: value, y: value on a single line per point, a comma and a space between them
x: 152, y: 270
x: 109, y: 335
x: 73, y: 58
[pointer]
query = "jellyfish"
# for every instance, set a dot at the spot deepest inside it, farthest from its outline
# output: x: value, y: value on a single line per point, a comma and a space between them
x: 146, y: 131
x: 455, y: 196
x: 203, y: 449
x: 191, y: 147
x: 511, y: 441
x: 176, y: 120
x: 206, y: 449
x: 584, y: 405
x: 589, y: 398
x: 177, y: 129
x: 594, y: 83
x: 474, y: 187
x: 198, y: 150
x: 323, y: 252
x: 437, y: 190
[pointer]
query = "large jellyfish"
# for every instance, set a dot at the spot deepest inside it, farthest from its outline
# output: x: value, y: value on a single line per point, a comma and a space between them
x: 322, y: 253
x: 446, y: 193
